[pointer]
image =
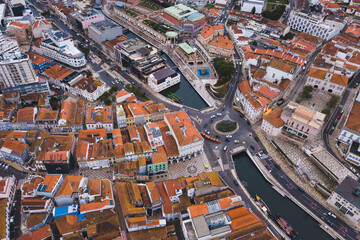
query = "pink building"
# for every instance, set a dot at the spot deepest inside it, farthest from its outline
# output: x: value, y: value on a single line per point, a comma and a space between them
x: 81, y: 20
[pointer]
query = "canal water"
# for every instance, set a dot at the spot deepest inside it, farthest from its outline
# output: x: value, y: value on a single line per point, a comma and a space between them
x: 188, y: 95
x: 255, y: 183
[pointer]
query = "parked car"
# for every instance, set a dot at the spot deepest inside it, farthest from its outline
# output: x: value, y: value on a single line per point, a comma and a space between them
x: 252, y: 147
x: 353, y: 169
x: 236, y: 182
x: 219, y: 114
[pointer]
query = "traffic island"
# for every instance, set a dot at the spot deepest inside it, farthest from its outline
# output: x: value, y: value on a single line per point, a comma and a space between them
x: 226, y: 127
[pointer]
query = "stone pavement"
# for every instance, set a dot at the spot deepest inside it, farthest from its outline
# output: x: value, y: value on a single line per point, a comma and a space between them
x: 294, y: 152
x: 190, y: 167
x: 102, y: 173
x: 318, y: 100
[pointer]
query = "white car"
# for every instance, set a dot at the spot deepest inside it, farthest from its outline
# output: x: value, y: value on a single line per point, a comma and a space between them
x: 225, y: 148
x: 331, y: 214
x: 219, y: 114
x: 212, y: 116
x: 229, y: 136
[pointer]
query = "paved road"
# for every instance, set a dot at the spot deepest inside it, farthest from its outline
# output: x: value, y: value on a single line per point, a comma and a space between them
x: 242, y: 135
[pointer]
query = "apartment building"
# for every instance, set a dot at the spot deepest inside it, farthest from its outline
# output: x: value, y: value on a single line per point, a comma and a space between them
x: 209, y: 32
x: 346, y: 198
x: 304, y: 21
x: 40, y: 24
x: 19, y: 31
x: 7, y: 192
x: 272, y: 122
x: 25, y: 119
x: 222, y: 46
x: 60, y: 46
x: 47, y: 120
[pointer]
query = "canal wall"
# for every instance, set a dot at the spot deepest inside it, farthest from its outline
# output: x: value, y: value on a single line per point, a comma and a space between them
x: 276, y: 186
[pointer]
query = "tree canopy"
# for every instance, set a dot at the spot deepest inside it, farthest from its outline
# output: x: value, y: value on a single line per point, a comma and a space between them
x: 225, y: 69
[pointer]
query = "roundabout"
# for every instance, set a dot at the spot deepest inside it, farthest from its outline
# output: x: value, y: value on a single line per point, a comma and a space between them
x: 226, y: 126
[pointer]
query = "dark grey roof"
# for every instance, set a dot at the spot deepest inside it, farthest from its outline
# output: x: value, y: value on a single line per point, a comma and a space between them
x: 355, y: 148
x: 164, y: 73
x: 144, y: 51
x: 347, y: 189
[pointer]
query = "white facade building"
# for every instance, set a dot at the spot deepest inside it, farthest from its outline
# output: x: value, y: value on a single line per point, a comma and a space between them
x: 346, y: 198
x: 249, y: 5
x: 163, y: 79
x: 60, y: 46
x: 304, y: 21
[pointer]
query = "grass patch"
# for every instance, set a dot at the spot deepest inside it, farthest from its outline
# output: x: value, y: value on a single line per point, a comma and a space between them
x: 209, y: 6
x: 279, y: 1
x: 226, y: 126
x: 274, y: 14
x: 131, y: 13
x: 161, y: 28
x: 150, y: 5
x: 221, y: 91
x: 136, y: 91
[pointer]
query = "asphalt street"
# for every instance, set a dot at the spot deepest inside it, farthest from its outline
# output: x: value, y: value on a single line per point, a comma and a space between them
x: 243, y: 134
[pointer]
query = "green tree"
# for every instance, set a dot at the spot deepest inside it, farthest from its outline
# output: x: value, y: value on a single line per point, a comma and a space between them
x: 107, y: 102
x: 225, y: 69
x: 113, y: 89
x: 332, y: 101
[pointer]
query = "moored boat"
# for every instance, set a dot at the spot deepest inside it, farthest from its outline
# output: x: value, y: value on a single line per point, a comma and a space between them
x: 288, y: 229
x: 262, y: 205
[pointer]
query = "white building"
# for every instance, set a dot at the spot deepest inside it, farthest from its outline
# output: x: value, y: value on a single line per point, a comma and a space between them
x: 16, y: 69
x: 40, y: 24
x: 188, y: 140
x: 346, y: 198
x: 104, y: 31
x: 253, y: 104
x: 60, y: 46
x: 7, y: 192
x: 120, y: 116
x: 278, y: 70
x: 304, y: 21
x: 153, y: 134
x: 272, y: 122
x: 8, y: 45
x: 326, y: 81
x: 122, y: 95
x: 350, y: 134
x: 163, y: 79
x: 249, y: 5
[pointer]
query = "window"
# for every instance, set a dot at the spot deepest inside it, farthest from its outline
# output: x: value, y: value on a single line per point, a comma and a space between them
x: 337, y: 204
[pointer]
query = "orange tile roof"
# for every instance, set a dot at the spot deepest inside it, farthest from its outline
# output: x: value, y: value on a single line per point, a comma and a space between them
x: 339, y: 79
x: 94, y: 206
x: 38, y: 59
x: 229, y: 202
x: 353, y: 122
x: 167, y: 205
x: 154, y: 193
x: 127, y: 207
x: 25, y: 115
x: 45, y: 114
x: 40, y: 22
x: 30, y: 185
x: 267, y: 92
x: 92, y: 133
x: 57, y: 72
x: 171, y: 186
x: 158, y: 158
x: 209, y: 30
x: 274, y: 118
x: 69, y: 186
x: 244, y: 221
x: 222, y: 42
x: 72, y: 112
x: 244, y: 87
x: 16, y: 146
x: 19, y: 25
x: 213, y: 177
x: 317, y: 73
x: 39, y: 234
x: 198, y: 210
x: 122, y: 93
x: 185, y: 132
x: 237, y: 212
x: 99, y: 115
x: 282, y: 66
x: 56, y: 157
x: 50, y: 182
